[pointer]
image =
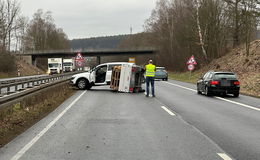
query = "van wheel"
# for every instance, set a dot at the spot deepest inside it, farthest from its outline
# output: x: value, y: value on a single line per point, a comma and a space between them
x: 82, y: 84
x: 89, y: 86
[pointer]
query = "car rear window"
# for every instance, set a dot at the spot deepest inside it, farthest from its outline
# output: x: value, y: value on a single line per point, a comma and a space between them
x: 160, y: 68
x: 225, y: 76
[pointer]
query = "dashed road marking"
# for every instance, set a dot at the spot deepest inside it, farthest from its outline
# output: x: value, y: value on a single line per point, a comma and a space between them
x: 220, y: 98
x: 224, y: 156
x: 168, y: 111
x: 19, y: 154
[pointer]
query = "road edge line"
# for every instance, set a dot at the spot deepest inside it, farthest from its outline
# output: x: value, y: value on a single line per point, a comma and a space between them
x: 223, y: 99
x: 21, y: 152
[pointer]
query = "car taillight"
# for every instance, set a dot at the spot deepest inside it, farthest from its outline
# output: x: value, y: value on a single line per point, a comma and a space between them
x: 214, y: 82
x: 236, y: 83
x: 131, y: 89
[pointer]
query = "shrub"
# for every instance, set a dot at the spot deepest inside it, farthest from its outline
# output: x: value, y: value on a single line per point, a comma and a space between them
x: 7, y: 63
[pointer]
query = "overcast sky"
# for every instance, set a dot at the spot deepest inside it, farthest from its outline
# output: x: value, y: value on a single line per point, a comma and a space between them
x: 92, y: 18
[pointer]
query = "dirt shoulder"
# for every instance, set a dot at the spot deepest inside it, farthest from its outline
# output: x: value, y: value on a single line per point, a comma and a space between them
x: 24, y: 68
x: 17, y: 118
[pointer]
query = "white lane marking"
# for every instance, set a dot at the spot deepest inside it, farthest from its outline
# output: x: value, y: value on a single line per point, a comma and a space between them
x: 241, y: 104
x: 181, y: 86
x: 224, y: 156
x: 223, y: 99
x: 19, y: 154
x: 168, y: 111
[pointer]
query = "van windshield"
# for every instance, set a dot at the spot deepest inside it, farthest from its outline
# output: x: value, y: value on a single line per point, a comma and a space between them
x: 53, y: 65
x: 67, y: 64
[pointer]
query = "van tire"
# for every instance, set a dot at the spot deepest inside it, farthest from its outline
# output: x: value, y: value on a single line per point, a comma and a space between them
x: 83, y: 84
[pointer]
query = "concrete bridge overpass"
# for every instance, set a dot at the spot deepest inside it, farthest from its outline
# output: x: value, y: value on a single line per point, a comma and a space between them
x: 86, y: 53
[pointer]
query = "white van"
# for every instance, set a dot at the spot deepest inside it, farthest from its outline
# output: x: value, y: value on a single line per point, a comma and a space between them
x: 99, y: 75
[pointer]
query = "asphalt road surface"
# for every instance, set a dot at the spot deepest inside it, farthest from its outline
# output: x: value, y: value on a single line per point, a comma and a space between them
x: 176, y: 125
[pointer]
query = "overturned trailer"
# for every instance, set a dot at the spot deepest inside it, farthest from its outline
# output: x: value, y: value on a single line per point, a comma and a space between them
x: 127, y: 78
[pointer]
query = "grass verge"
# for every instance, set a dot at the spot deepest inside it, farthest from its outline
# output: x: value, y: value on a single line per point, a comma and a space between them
x: 18, y: 117
x: 185, y: 76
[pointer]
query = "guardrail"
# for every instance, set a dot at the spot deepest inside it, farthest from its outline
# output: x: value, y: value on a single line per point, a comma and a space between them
x: 18, y: 79
x: 13, y: 90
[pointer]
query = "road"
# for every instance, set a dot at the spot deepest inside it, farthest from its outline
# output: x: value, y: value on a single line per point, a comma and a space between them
x: 176, y: 125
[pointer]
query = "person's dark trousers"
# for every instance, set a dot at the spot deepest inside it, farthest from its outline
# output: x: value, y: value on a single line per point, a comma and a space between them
x: 148, y: 81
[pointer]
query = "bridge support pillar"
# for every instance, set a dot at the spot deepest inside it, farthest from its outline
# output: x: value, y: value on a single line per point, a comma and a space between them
x: 98, y: 60
x: 34, y: 61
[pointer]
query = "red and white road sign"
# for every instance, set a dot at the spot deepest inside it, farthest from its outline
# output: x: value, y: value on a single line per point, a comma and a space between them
x: 79, y: 57
x: 79, y: 63
x: 192, y: 60
x: 191, y: 67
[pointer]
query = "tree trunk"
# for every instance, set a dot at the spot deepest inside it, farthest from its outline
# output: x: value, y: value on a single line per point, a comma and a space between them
x: 236, y: 30
x: 199, y: 31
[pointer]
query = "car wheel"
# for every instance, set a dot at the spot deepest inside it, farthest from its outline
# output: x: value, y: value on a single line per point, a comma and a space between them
x: 198, y: 91
x: 236, y: 94
x: 166, y: 79
x: 224, y: 94
x: 82, y: 84
x: 207, y: 91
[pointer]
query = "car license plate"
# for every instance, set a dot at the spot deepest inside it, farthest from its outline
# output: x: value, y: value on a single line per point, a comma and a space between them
x: 225, y: 83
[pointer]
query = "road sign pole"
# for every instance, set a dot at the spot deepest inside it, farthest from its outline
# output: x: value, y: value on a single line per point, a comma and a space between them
x: 190, y: 74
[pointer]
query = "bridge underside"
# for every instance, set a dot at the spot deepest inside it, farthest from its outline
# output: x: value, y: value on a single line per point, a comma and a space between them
x: 98, y: 54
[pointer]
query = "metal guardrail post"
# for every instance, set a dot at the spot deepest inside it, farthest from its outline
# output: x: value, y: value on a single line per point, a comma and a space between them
x: 15, y: 88
x: 8, y: 89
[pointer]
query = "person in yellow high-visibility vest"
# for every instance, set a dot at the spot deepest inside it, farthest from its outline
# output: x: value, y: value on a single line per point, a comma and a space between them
x: 150, y: 73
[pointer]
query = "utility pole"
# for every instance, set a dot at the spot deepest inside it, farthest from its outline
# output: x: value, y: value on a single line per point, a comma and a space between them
x: 131, y: 30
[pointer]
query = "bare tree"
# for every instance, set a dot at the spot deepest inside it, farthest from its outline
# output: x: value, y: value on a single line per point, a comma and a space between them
x: 199, y: 30
x: 250, y: 19
x: 9, y: 12
x: 42, y: 33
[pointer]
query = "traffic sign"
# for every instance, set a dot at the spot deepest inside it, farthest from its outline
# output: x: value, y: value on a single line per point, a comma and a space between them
x: 191, y: 67
x: 79, y: 57
x: 79, y: 63
x: 131, y: 60
x: 192, y: 60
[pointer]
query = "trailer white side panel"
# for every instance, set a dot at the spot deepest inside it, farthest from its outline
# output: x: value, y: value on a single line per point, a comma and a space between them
x: 125, y: 78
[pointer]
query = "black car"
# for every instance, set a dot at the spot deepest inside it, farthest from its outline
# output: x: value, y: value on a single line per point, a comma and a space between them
x: 218, y: 83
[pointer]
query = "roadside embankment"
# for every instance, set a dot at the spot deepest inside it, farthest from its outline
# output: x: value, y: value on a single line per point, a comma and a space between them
x: 246, y: 67
x: 250, y: 82
x: 16, y: 118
